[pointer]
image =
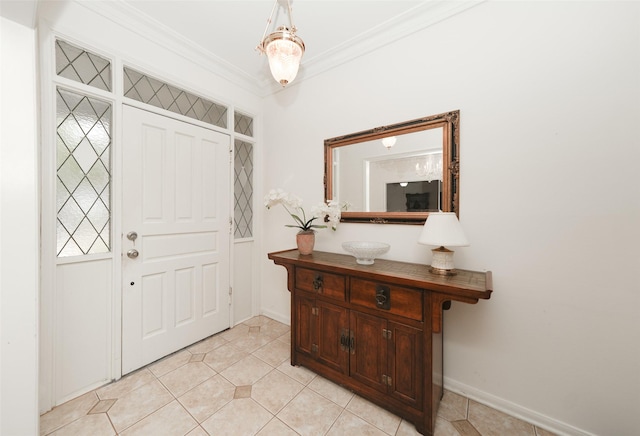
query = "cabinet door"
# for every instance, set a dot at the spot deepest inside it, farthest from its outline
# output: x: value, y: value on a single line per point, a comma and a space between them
x: 332, y: 322
x: 405, y: 362
x: 305, y: 324
x: 368, y: 357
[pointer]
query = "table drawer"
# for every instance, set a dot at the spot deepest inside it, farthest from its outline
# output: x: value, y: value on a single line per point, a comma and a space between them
x: 322, y: 283
x: 401, y: 301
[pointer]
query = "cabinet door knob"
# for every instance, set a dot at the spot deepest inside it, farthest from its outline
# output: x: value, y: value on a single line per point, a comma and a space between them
x: 344, y: 341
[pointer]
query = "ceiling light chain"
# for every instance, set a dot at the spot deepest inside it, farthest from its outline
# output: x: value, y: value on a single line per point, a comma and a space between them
x: 283, y: 47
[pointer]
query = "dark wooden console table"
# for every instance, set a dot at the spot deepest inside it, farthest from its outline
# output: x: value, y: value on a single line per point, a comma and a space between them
x: 375, y: 329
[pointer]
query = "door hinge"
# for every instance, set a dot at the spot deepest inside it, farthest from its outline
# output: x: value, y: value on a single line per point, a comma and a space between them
x: 315, y: 311
x: 386, y: 380
x: 230, y: 225
x: 386, y: 334
x: 230, y: 294
x: 314, y: 348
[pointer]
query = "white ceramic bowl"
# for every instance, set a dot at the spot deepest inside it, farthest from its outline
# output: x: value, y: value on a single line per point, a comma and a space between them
x: 365, y: 252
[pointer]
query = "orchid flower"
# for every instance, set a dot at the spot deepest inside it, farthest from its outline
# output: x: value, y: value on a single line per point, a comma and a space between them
x: 293, y: 205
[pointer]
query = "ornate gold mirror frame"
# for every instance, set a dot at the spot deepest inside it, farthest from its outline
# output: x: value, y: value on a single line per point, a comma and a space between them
x: 449, y: 199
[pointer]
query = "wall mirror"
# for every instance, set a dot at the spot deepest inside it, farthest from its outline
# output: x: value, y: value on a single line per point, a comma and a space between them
x: 396, y: 173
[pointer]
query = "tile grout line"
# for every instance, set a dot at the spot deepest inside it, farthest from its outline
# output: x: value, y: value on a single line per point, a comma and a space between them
x: 336, y: 420
x: 250, y: 335
x: 177, y: 399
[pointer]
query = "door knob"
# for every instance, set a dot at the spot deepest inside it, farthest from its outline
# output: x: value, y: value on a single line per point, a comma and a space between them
x: 132, y: 236
x: 132, y: 254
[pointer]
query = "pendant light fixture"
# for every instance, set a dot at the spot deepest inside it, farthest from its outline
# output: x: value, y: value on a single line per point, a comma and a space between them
x: 283, y: 48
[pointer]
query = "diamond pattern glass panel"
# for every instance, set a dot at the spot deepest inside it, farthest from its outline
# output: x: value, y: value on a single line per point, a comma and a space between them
x: 83, y: 174
x: 242, y: 124
x: 243, y: 189
x: 82, y: 66
x: 146, y: 89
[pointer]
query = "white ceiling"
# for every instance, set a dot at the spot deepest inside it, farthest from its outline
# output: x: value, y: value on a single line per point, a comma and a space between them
x: 226, y: 32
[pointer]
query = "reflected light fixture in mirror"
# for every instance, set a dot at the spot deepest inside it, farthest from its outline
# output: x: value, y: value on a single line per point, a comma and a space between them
x: 443, y: 229
x: 431, y: 168
x: 283, y: 47
x: 389, y: 142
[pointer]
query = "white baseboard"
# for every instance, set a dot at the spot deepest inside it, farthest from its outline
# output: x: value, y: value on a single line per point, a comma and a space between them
x: 276, y: 316
x: 515, y: 410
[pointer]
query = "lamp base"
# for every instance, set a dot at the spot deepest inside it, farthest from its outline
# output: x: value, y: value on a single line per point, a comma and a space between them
x: 442, y: 262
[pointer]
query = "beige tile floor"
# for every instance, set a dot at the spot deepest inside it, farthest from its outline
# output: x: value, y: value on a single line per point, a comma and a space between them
x: 240, y: 382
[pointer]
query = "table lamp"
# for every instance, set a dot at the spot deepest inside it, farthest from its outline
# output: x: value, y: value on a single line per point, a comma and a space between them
x: 443, y: 229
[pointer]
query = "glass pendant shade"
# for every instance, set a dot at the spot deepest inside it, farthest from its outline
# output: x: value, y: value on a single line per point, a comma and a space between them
x: 284, y: 50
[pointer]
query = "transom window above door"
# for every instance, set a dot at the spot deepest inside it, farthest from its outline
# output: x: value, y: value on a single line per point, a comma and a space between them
x: 146, y: 89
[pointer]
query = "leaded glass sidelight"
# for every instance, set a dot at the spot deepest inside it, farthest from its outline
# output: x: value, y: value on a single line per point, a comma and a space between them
x: 83, y: 165
x: 243, y: 189
x: 82, y: 66
x: 146, y: 89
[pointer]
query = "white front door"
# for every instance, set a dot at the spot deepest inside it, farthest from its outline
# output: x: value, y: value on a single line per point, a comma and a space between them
x: 176, y: 198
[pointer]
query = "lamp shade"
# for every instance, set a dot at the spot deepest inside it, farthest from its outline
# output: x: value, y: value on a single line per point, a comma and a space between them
x: 284, y: 50
x: 443, y: 229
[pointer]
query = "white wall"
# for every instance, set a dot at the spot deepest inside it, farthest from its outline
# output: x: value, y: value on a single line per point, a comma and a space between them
x: 549, y: 94
x: 18, y: 231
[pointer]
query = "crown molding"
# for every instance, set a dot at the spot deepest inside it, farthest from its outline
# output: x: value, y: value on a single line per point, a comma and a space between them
x: 135, y: 21
x: 415, y: 19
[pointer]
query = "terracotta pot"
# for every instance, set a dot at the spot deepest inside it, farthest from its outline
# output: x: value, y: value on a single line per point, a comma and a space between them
x: 305, y: 240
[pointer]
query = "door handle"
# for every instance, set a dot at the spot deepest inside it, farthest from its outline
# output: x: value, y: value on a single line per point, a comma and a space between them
x: 132, y: 254
x: 132, y: 236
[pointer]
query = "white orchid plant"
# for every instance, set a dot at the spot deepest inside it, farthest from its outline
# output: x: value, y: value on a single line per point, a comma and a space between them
x: 329, y: 211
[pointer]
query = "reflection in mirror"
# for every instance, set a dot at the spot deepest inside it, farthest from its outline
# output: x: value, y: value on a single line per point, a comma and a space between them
x: 413, y: 196
x: 396, y: 173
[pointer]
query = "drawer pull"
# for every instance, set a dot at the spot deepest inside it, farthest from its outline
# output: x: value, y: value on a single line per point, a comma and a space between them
x: 383, y: 297
x: 317, y: 283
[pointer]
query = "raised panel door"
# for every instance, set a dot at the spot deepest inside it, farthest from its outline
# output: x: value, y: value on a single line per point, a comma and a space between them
x: 405, y: 364
x: 368, y: 358
x: 176, y: 257
x: 332, y: 321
